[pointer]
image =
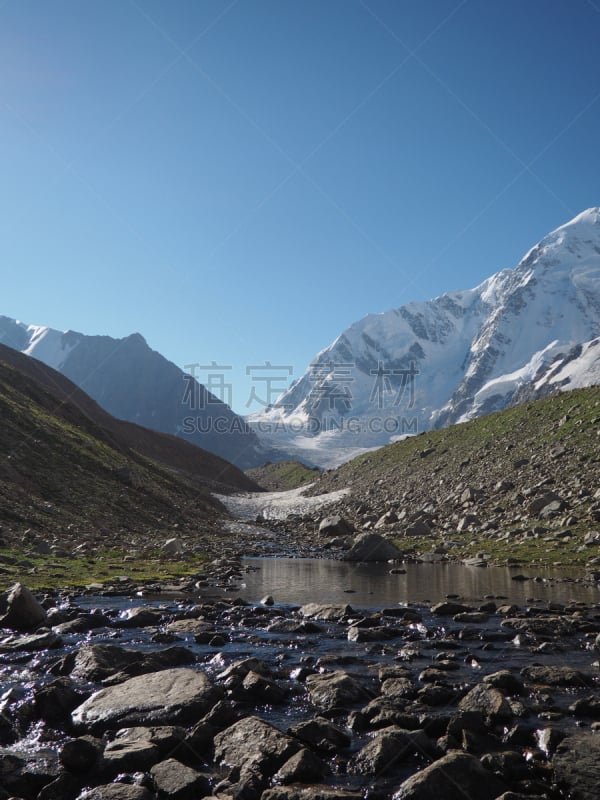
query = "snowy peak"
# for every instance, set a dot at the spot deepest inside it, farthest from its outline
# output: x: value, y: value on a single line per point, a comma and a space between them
x: 470, y: 352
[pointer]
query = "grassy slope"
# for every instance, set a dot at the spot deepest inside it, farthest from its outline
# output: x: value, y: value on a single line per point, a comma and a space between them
x: 62, y: 481
x: 283, y: 475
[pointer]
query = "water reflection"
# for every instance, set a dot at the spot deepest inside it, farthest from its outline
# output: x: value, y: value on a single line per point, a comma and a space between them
x: 307, y: 580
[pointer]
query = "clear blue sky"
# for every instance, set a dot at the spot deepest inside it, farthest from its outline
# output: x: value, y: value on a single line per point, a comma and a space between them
x: 240, y: 181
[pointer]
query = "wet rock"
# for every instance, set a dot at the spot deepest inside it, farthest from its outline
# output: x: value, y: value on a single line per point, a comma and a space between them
x: 64, y: 787
x: 116, y: 791
x: 576, y: 765
x: 42, y: 640
x: 168, y: 697
x: 140, y: 617
x: 175, y: 781
x: 489, y: 701
x: 388, y: 749
x: 55, y: 701
x: 335, y: 690
x: 309, y: 793
x: 372, y: 547
x: 26, y: 777
x: 586, y: 707
x: 453, y: 777
x: 556, y: 676
x: 325, y: 612
x: 548, y: 739
x: 377, y: 633
x: 81, y: 755
x: 261, y: 689
x: 239, y: 669
x: 132, y: 749
x: 447, y: 608
x: 99, y: 662
x: 322, y: 735
x: 19, y: 609
x: 81, y: 624
x: 303, y: 767
x: 506, y: 682
x: 236, y: 746
x: 335, y: 526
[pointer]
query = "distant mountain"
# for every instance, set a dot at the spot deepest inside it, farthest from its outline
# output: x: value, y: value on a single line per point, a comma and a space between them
x: 522, y: 333
x: 135, y: 383
x: 69, y: 469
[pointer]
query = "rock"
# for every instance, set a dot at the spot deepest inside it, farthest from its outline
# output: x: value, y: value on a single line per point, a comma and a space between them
x: 140, y: 617
x: 488, y: 701
x: 303, y: 767
x: 538, y: 506
x: 322, y: 735
x: 309, y: 793
x: 418, y: 528
x: 168, y: 697
x: 335, y: 690
x: 586, y: 707
x: 98, y: 662
x: 557, y: 676
x: 31, y: 642
x: 262, y: 690
x: 456, y: 776
x: 81, y: 755
x: 388, y: 749
x: 320, y: 611
x: 20, y: 610
x: 236, y: 746
x: 81, y: 624
x: 131, y: 750
x: 335, y: 526
x: 505, y: 681
x: 172, y: 547
x: 372, y: 547
x: 54, y: 701
x: 175, y: 781
x: 576, y: 765
x: 116, y: 791
x: 448, y: 608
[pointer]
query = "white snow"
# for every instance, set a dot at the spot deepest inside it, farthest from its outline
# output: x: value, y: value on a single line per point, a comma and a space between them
x: 277, y: 505
x: 47, y: 345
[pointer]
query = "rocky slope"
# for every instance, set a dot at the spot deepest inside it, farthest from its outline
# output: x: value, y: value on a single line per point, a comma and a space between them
x: 461, y: 355
x: 522, y: 485
x: 135, y: 383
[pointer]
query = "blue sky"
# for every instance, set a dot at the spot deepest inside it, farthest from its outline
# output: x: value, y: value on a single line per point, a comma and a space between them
x: 240, y: 181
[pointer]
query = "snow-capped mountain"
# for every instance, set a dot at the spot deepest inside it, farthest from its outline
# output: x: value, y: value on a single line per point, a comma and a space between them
x: 135, y: 383
x: 523, y: 332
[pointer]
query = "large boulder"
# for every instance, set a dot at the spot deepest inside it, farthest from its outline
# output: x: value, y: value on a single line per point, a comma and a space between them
x: 387, y: 751
x: 335, y: 526
x: 372, y: 547
x: 168, y: 697
x: 19, y: 610
x: 456, y: 776
x: 488, y: 701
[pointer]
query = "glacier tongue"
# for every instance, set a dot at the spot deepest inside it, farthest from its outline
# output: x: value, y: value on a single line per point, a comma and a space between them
x: 521, y: 333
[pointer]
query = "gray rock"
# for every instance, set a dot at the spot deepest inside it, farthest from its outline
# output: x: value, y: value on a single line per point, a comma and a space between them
x: 116, y: 791
x: 456, y: 776
x: 20, y: 610
x: 303, y: 767
x: 98, y: 662
x: 489, y: 701
x: 309, y: 793
x: 335, y: 690
x: 505, y: 681
x: 172, y: 547
x: 372, y: 547
x: 320, y: 611
x: 32, y: 642
x: 168, y: 697
x: 335, y: 526
x: 322, y: 735
x: 236, y: 746
x: 387, y: 751
x: 576, y: 766
x: 540, y: 504
x: 448, y: 608
x: 557, y: 676
x: 140, y: 617
x: 175, y: 781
